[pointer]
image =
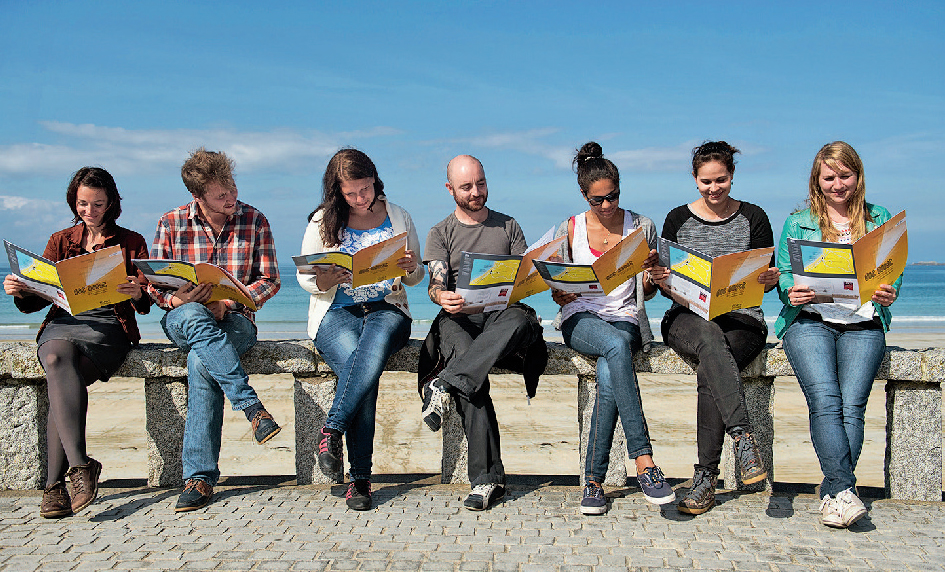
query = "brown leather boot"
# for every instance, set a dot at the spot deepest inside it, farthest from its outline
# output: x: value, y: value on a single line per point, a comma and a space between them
x: 56, y: 503
x: 84, y: 479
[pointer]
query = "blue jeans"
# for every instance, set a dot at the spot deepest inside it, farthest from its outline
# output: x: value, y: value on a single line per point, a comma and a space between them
x: 213, y: 370
x: 835, y: 369
x: 356, y: 342
x: 614, y: 344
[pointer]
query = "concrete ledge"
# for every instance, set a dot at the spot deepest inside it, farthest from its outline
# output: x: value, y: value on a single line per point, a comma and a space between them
x: 914, y: 414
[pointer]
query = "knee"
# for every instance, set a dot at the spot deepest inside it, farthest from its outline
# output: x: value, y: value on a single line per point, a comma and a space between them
x: 189, y: 314
x: 53, y: 360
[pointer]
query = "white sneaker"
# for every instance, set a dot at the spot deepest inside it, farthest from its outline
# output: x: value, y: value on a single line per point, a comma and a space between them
x: 842, y: 510
x: 483, y: 496
x: 830, y: 513
x: 849, y: 506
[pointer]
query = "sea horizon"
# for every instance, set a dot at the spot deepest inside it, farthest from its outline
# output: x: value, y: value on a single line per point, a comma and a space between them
x: 920, y: 310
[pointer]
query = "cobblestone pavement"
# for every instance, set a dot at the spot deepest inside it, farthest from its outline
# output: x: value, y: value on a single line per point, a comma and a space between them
x: 419, y: 525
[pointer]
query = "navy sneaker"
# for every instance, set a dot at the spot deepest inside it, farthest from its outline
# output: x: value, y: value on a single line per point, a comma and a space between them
x: 196, y: 495
x: 264, y: 426
x: 593, y: 501
x: 654, y: 485
x: 483, y: 496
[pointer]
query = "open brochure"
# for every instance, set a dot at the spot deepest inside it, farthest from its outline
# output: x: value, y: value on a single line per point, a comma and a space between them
x: 489, y: 282
x: 369, y: 265
x: 622, y: 262
x: 851, y: 272
x: 165, y: 273
x: 77, y: 284
x: 710, y: 286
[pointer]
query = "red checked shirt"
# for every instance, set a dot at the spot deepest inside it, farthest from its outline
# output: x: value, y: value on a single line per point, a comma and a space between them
x: 245, y: 248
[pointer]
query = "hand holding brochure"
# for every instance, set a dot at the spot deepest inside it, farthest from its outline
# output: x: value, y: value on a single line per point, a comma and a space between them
x: 489, y: 282
x: 710, y: 286
x: 77, y: 284
x: 614, y: 267
x: 369, y: 265
x: 851, y: 272
x: 175, y: 273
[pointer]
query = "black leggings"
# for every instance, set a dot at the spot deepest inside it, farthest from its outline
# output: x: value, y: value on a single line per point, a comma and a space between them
x: 68, y: 373
x: 722, y: 348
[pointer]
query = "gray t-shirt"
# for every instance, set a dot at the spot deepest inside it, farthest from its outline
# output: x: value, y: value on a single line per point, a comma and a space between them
x: 498, y: 234
x: 747, y: 229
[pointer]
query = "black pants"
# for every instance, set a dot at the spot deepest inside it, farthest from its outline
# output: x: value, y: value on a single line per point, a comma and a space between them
x: 472, y: 344
x: 722, y: 348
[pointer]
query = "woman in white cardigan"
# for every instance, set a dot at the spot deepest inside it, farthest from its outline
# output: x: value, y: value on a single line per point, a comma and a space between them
x: 356, y: 329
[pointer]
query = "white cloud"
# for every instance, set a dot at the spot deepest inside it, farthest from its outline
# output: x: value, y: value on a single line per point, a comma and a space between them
x: 10, y: 203
x: 128, y: 151
x: 532, y: 142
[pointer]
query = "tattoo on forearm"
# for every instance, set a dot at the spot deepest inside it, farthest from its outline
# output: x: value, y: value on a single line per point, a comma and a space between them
x: 437, y: 279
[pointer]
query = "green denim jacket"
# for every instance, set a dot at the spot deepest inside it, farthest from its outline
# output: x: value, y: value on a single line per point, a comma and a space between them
x: 803, y: 226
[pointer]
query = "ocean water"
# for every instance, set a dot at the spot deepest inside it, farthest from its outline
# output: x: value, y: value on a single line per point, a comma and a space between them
x: 919, y: 309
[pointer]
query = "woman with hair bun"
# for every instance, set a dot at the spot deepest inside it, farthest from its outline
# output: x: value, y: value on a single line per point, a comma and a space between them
x: 611, y: 328
x: 718, y: 224
x: 77, y: 350
x: 834, y: 348
x: 356, y: 329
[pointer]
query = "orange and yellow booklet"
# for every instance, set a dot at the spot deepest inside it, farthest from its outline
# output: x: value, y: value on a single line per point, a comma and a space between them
x: 77, y: 284
x: 369, y: 265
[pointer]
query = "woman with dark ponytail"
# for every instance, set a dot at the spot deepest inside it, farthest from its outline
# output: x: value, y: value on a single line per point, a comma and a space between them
x: 611, y: 328
x: 717, y: 224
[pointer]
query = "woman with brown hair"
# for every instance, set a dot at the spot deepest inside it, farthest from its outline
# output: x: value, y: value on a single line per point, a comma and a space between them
x: 356, y: 329
x: 77, y: 350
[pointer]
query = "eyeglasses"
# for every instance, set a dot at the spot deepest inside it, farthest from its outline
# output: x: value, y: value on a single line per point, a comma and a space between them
x: 597, y: 201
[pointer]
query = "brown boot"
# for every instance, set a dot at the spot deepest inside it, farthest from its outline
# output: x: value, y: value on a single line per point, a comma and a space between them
x: 84, y: 480
x: 56, y: 502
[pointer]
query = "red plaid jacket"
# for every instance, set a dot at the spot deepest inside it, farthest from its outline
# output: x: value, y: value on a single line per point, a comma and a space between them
x: 245, y: 248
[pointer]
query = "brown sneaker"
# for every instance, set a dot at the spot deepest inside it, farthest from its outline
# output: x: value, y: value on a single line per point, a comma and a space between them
x: 701, y: 495
x: 56, y: 502
x: 751, y: 469
x: 84, y: 479
x: 264, y: 426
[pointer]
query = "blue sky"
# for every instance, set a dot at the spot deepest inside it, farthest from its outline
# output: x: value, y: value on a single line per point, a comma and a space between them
x: 134, y: 86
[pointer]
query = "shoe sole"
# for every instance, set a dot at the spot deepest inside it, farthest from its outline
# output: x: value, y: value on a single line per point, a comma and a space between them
x: 855, y: 518
x: 494, y: 502
x: 98, y: 473
x: 660, y: 500
x: 190, y: 508
x: 359, y: 507
x: 56, y: 514
x: 692, y: 510
x: 755, y: 479
x: 593, y: 510
x: 270, y: 436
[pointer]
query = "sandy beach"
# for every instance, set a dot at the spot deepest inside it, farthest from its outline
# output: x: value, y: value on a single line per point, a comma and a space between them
x: 540, y: 438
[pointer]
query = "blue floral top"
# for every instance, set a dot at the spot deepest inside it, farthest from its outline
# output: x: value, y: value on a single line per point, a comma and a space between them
x: 353, y: 240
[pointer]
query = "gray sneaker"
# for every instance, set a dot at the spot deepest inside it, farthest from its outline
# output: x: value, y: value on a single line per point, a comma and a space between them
x: 435, y: 402
x: 750, y: 467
